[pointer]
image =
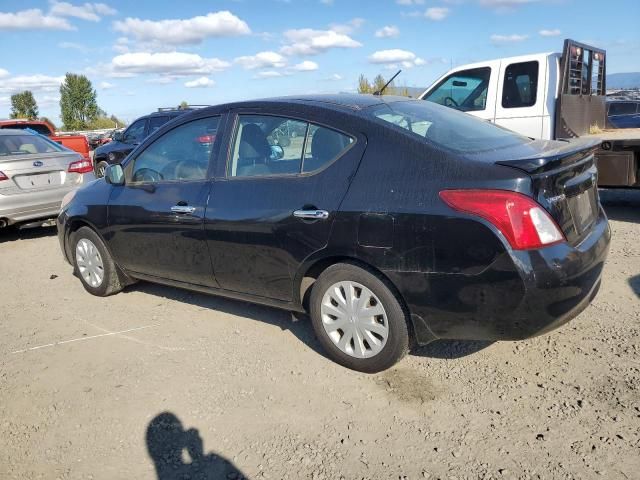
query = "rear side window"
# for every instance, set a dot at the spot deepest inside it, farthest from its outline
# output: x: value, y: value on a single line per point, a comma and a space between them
x: 26, y: 145
x: 445, y: 127
x: 271, y: 145
x: 520, y: 85
x: 622, y: 108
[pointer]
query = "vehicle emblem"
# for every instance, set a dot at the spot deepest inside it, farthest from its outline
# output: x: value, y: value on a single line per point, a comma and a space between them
x: 38, y: 163
x: 557, y: 199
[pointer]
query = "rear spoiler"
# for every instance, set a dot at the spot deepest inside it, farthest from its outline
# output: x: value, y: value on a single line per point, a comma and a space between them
x: 581, y: 102
x: 568, y: 154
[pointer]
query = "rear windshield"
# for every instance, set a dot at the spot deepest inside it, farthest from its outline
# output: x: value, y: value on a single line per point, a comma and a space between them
x: 41, y: 129
x: 446, y: 127
x: 26, y: 145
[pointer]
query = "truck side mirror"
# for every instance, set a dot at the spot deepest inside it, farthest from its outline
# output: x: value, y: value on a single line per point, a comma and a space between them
x: 114, y: 175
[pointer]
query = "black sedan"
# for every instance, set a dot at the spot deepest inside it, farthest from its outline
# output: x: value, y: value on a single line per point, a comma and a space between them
x: 391, y: 221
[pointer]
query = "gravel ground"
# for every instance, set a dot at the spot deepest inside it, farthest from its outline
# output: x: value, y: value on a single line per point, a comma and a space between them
x: 161, y: 383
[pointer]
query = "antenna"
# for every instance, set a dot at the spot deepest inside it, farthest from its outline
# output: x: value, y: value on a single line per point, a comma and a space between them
x: 379, y: 92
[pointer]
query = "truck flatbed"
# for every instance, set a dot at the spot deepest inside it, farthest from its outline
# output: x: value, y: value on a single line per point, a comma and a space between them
x: 616, y: 134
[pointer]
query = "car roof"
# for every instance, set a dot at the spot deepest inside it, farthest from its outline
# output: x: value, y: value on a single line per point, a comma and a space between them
x: 341, y: 101
x: 14, y: 131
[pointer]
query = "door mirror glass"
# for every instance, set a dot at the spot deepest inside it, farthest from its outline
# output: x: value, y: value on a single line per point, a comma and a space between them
x: 277, y: 152
x: 114, y: 174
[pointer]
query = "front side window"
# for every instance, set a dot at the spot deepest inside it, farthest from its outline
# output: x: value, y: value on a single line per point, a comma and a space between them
x: 26, y: 145
x: 271, y: 145
x: 135, y: 133
x: 155, y: 123
x: 465, y: 90
x: 520, y: 85
x: 180, y: 154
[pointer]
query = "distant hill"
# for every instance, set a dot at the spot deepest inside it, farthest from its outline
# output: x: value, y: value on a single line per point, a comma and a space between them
x: 623, y: 80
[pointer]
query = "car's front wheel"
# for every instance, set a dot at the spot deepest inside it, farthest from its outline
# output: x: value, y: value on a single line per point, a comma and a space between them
x: 100, y: 168
x: 358, y: 319
x: 93, y: 264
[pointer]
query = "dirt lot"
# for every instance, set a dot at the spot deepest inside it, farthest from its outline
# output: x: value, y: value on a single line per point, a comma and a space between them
x: 162, y: 383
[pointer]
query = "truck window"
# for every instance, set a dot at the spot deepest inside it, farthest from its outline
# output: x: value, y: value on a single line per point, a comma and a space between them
x: 465, y: 90
x: 520, y: 85
x: 622, y: 108
x: 156, y: 122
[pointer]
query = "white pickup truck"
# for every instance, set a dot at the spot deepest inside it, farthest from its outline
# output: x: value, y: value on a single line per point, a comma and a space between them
x: 547, y: 96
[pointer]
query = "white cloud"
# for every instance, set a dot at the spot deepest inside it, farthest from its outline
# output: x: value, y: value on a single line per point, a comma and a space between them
x: 169, y: 63
x: 349, y: 27
x: 550, y: 33
x: 32, y: 19
x: 515, y: 38
x: 87, y: 11
x: 73, y: 46
x: 388, y: 31
x: 307, y: 41
x: 262, y: 60
x: 182, y: 32
x: 395, y: 57
x: 335, y: 77
x: 202, y: 82
x: 106, y: 85
x: 268, y: 74
x: 3, y: 73
x: 306, y: 66
x: 505, y: 3
x: 38, y: 82
x: 410, y: 2
x: 436, y: 13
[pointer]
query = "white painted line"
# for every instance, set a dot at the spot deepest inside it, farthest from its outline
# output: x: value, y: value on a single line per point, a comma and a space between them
x: 85, y: 338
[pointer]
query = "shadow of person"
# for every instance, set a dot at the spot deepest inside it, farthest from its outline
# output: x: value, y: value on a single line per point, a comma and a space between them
x: 634, y: 282
x: 178, y: 453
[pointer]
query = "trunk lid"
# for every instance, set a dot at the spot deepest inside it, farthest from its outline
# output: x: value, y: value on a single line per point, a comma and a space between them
x: 564, y: 180
x: 36, y: 172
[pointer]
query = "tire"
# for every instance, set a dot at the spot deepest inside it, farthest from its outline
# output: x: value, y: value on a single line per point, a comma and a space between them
x: 100, y: 166
x: 376, y: 349
x: 86, y: 264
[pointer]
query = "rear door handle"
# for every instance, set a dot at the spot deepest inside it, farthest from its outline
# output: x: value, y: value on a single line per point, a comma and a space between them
x: 312, y: 214
x: 183, y: 209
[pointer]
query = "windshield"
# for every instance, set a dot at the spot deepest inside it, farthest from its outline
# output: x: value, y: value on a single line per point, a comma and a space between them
x: 447, y: 128
x: 41, y: 129
x: 26, y: 145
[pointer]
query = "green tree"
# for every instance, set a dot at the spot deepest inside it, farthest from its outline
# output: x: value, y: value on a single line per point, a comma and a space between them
x: 363, y: 85
x: 378, y: 83
x: 78, y: 106
x: 23, y: 105
x: 183, y: 104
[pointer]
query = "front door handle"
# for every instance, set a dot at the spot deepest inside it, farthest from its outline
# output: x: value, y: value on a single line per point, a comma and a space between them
x: 183, y: 209
x: 312, y: 214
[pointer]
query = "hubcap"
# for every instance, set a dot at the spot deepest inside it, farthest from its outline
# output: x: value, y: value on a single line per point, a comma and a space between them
x: 89, y: 262
x: 101, y: 168
x: 354, y: 319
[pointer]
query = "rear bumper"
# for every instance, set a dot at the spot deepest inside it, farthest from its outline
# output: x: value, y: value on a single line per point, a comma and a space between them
x: 522, y: 294
x: 22, y: 207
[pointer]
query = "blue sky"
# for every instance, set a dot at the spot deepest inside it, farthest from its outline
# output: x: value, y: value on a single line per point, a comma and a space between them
x: 144, y: 54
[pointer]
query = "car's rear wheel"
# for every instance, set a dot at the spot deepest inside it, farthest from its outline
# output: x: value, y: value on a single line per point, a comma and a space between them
x: 93, y: 264
x: 358, y: 319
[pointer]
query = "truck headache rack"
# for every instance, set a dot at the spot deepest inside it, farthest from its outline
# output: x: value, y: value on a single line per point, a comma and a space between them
x: 581, y: 102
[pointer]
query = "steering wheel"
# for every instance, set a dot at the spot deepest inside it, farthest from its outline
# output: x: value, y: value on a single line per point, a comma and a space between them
x: 450, y: 102
x: 147, y: 175
x: 188, y: 170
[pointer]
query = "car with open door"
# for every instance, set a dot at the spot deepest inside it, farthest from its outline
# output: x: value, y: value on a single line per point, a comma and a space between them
x: 391, y: 221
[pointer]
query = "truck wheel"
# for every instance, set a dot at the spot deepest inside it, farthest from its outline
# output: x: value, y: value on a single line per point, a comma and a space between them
x: 93, y: 264
x: 358, y: 319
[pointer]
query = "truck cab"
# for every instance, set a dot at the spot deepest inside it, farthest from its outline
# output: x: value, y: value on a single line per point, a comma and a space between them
x: 549, y: 96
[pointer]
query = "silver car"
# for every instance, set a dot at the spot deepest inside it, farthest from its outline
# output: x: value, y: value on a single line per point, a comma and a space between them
x: 35, y: 174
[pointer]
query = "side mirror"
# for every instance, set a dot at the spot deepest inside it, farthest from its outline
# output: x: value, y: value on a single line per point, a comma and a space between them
x: 277, y: 152
x: 117, y: 136
x: 114, y: 175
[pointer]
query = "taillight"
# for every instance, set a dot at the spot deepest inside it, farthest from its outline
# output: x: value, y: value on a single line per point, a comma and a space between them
x: 3, y: 176
x: 81, y: 166
x: 523, y: 222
